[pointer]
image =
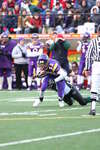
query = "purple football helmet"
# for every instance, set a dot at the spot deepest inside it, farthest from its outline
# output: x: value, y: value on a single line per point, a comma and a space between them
x: 35, y: 35
x: 43, y: 61
x: 86, y: 36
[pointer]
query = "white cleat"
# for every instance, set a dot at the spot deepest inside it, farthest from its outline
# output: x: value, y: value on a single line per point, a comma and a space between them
x: 61, y: 104
x: 9, y: 88
x: 28, y: 89
x: 36, y: 103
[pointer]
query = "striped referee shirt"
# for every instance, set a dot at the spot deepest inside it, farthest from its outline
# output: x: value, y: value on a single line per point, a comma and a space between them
x: 93, y: 52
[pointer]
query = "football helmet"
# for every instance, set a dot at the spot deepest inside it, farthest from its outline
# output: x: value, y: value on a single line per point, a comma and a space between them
x: 43, y: 61
x: 86, y: 36
x: 35, y: 36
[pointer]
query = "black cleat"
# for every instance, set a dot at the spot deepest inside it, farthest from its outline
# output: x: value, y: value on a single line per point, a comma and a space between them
x: 92, y: 112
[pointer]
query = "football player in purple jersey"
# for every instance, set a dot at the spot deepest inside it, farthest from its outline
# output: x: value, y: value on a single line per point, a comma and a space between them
x: 83, y: 47
x: 34, y: 50
x: 6, y: 46
x: 51, y: 70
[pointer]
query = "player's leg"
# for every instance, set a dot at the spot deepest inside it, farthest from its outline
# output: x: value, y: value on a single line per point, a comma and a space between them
x: 74, y: 94
x: 36, y: 70
x: 60, y: 89
x: 1, y: 78
x: 30, y: 75
x: 94, y: 93
x: 9, y: 78
x: 42, y: 90
x: 89, y: 82
x: 25, y: 70
x: 67, y: 98
x: 80, y: 77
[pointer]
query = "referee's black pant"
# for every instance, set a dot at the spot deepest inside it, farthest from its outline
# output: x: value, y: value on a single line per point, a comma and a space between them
x: 18, y: 69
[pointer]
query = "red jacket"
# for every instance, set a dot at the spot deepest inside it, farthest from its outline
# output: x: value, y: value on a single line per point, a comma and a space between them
x: 36, y: 22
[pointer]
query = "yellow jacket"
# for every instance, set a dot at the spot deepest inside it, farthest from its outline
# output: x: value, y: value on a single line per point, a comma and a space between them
x: 35, y: 2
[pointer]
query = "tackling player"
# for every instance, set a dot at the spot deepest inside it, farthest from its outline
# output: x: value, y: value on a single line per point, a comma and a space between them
x: 50, y: 69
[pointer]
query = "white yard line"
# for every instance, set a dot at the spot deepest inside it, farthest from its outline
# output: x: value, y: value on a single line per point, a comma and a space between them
x: 49, y: 137
x: 43, y: 111
x: 26, y: 114
x: 97, y: 114
x: 39, y: 111
x: 29, y: 99
x: 44, y: 115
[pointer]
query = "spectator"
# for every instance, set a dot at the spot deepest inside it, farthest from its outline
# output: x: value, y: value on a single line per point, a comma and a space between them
x: 91, y: 3
x: 95, y: 16
x: 34, y: 24
x: 1, y: 3
x: 41, y: 3
x: 10, y: 21
x: 84, y: 10
x: 10, y: 3
x: 19, y: 54
x: 68, y: 6
x: 35, y: 2
x: 21, y: 21
x: 59, y: 22
x: 25, y: 5
x: 4, y: 8
x: 69, y: 20
x: 76, y: 22
x: 19, y: 2
x: 48, y: 22
x: 57, y: 8
x: 44, y: 8
x: 16, y: 9
x: 0, y: 22
x: 98, y: 4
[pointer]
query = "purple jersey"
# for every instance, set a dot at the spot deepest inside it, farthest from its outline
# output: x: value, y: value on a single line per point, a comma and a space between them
x: 84, y: 48
x: 52, y: 70
x: 53, y: 67
x: 5, y: 61
x: 34, y: 50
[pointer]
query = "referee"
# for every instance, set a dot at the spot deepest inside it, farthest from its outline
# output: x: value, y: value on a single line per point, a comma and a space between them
x: 93, y: 57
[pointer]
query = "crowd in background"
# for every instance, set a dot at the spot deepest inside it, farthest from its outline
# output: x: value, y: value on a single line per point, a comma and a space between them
x: 45, y: 16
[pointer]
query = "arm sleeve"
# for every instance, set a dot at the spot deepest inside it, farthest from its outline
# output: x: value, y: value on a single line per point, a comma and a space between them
x: 15, y: 53
x: 79, y: 46
x: 62, y: 75
x: 67, y: 45
x: 51, y: 47
x: 89, y: 54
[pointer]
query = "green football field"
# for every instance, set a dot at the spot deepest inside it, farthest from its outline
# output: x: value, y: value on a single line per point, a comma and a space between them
x: 47, y: 127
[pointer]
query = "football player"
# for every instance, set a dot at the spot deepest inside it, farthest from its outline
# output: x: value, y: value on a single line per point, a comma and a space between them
x: 34, y: 49
x: 6, y: 46
x: 50, y: 69
x: 83, y: 47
